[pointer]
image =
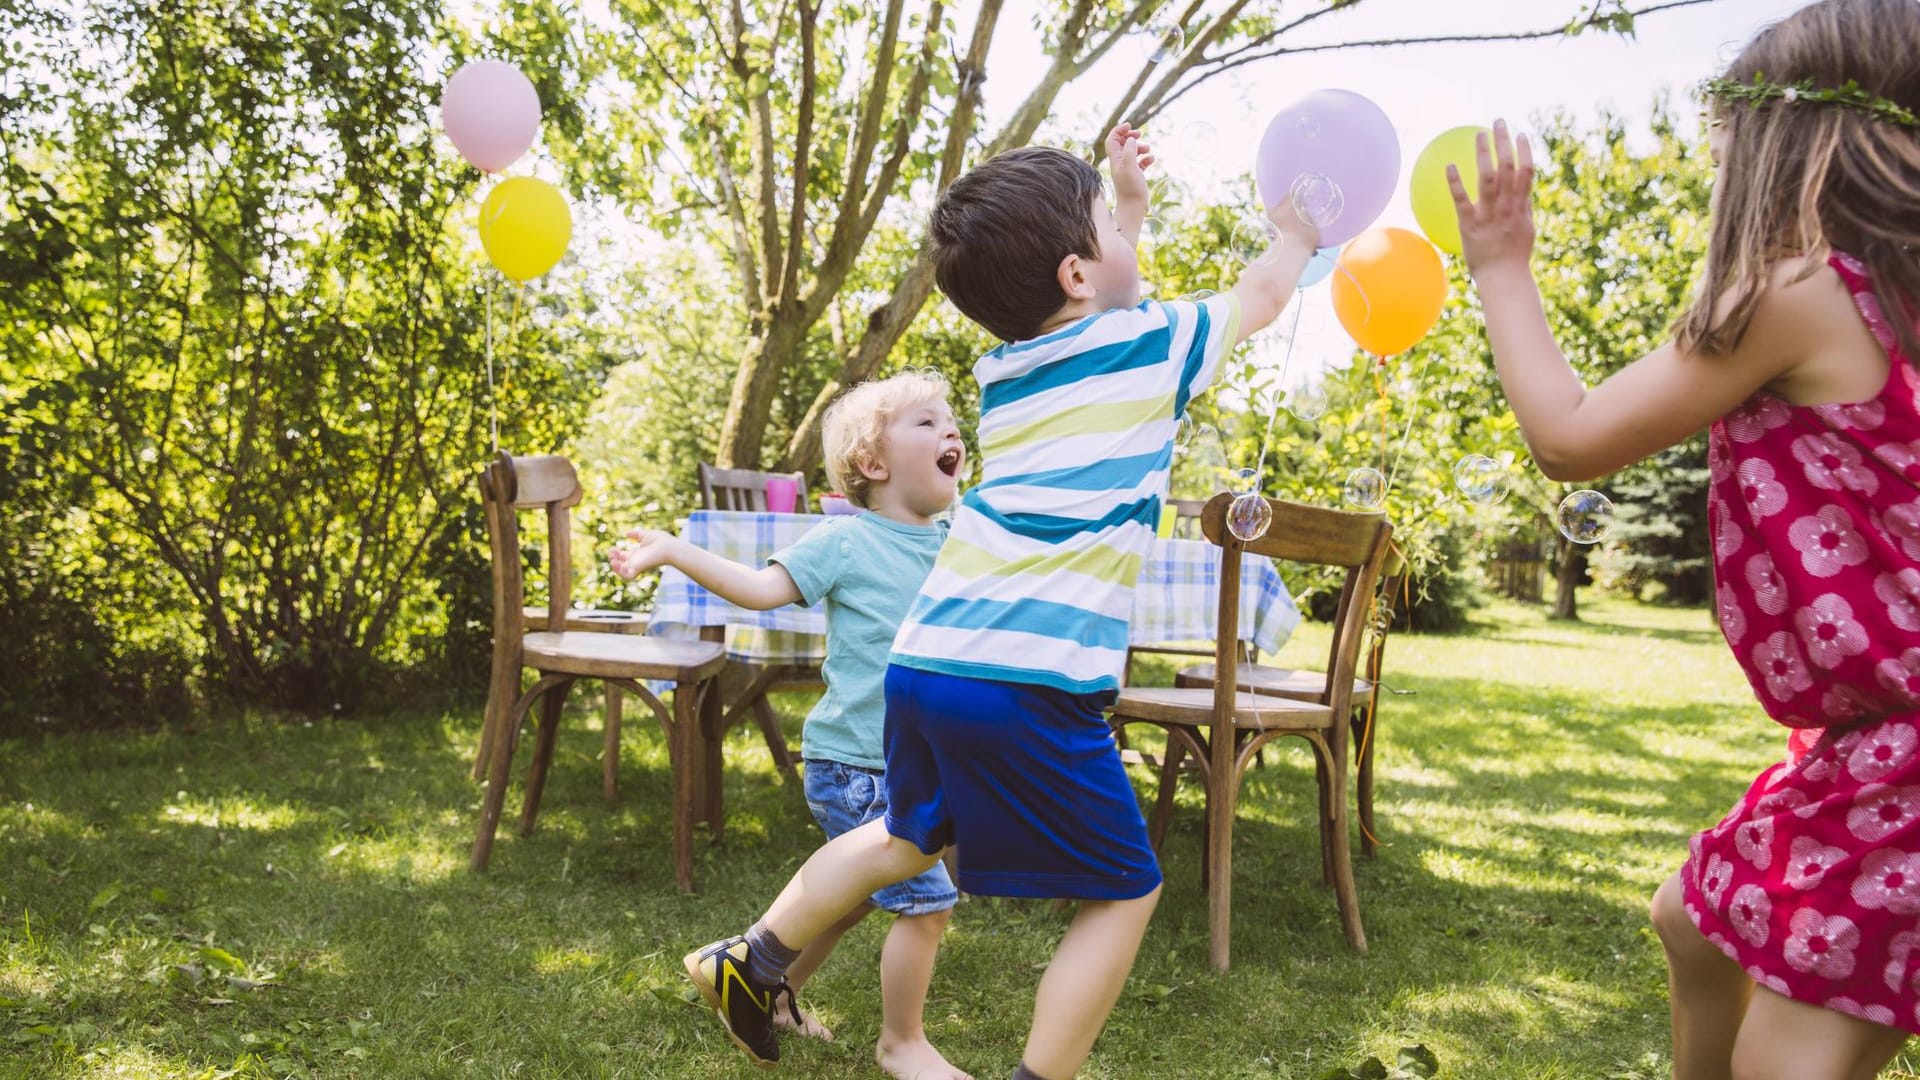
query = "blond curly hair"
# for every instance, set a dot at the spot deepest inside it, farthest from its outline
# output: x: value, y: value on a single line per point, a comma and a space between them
x: 855, y: 426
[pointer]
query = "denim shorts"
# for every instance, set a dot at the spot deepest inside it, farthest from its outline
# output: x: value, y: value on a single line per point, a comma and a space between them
x: 845, y: 796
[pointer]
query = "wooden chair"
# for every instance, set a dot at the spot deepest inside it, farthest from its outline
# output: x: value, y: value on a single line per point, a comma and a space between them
x: 1224, y: 727
x: 746, y: 489
x: 558, y: 659
x: 1303, y: 685
x: 743, y: 489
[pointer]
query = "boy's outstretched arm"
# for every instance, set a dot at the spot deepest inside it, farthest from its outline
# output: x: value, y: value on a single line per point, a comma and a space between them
x: 758, y: 590
x: 1267, y: 284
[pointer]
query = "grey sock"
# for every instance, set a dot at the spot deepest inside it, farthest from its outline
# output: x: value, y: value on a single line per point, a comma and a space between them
x: 1024, y: 1073
x: 767, y: 957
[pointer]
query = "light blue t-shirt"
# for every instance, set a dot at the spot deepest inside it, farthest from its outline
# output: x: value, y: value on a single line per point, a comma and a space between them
x: 867, y: 569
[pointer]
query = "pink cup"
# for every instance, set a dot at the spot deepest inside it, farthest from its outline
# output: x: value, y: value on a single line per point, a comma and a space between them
x: 782, y: 493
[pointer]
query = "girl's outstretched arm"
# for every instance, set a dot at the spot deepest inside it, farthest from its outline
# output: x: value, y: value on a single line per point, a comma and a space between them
x: 1575, y: 433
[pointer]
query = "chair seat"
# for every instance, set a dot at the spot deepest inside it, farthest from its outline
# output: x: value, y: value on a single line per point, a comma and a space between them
x: 1194, y: 708
x: 597, y: 620
x: 1299, y: 685
x: 622, y: 656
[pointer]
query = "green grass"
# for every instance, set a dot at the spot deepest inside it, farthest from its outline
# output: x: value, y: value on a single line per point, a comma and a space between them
x: 1536, y: 782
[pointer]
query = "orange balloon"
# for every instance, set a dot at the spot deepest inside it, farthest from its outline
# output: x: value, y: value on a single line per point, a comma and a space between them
x: 1388, y: 289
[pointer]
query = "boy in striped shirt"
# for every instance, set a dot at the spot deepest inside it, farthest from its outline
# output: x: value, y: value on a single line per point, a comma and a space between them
x: 996, y: 738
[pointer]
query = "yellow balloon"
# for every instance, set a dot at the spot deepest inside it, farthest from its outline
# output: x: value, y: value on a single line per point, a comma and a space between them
x: 1388, y: 289
x: 525, y: 226
x: 1432, y: 199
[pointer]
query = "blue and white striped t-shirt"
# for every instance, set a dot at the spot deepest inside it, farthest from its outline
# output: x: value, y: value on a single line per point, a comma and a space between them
x: 1035, y: 582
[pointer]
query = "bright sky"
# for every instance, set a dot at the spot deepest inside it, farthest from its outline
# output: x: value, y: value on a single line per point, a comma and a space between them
x: 1424, y: 89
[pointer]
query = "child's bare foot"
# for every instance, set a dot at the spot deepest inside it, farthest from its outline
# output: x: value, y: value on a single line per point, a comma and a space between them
x: 789, y: 1015
x: 915, y: 1060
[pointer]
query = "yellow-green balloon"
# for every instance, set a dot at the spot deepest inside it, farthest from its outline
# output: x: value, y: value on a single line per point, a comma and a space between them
x: 1432, y: 200
x: 525, y: 226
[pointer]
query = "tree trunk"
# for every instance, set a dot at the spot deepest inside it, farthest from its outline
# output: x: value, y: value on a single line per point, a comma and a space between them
x: 1573, y: 566
x: 754, y: 386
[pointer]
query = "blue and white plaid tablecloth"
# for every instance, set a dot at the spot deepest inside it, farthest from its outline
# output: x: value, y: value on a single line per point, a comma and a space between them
x: 1176, y: 599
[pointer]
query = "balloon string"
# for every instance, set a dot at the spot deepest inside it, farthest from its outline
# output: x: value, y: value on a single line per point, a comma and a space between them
x: 1293, y: 334
x: 493, y: 402
x: 513, y: 337
x: 1401, y: 451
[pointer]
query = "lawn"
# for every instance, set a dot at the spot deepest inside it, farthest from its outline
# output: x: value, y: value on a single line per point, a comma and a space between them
x: 269, y: 897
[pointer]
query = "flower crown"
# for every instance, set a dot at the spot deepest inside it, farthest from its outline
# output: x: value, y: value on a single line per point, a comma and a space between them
x: 1850, y: 96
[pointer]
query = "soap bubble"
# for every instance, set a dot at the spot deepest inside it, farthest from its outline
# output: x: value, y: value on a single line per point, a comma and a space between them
x: 1480, y: 478
x: 1245, y: 482
x: 1169, y: 41
x: 1317, y: 199
x: 1585, y: 517
x: 1366, y: 488
x: 1249, y: 516
x: 1308, y: 402
x: 1251, y: 241
x: 1200, y: 142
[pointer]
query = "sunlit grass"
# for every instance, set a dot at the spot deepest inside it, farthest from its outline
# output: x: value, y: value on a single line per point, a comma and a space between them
x: 252, y: 897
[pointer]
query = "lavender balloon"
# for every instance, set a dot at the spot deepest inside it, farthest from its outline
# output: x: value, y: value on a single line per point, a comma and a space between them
x: 1342, y: 136
x: 491, y: 112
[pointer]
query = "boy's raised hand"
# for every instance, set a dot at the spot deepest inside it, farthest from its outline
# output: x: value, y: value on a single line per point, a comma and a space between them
x: 648, y: 549
x: 1128, y: 159
x: 1497, y: 227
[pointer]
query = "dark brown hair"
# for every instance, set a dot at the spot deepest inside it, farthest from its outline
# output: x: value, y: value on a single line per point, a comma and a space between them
x: 1799, y: 176
x: 1000, y: 232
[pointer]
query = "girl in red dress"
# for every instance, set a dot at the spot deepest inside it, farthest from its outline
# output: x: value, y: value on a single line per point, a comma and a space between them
x: 1792, y: 931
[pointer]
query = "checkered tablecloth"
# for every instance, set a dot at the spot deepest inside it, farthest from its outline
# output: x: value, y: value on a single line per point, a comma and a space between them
x: 1176, y: 599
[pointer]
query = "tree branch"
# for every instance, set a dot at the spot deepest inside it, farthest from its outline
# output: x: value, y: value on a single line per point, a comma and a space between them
x: 802, y: 154
x: 872, y: 110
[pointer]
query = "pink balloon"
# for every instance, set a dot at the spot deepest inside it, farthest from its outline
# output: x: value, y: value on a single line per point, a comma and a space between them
x: 1342, y: 136
x: 491, y: 113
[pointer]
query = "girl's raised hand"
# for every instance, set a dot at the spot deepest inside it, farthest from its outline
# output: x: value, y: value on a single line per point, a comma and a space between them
x: 646, y: 549
x: 1498, y: 226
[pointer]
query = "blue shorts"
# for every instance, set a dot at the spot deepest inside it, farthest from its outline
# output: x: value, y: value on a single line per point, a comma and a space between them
x: 843, y: 797
x: 1024, y: 779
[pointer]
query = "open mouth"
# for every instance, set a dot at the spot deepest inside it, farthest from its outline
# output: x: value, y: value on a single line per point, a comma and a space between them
x: 949, y: 462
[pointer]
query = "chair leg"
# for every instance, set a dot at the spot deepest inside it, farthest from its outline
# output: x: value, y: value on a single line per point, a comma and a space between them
x: 1163, y: 800
x: 499, y: 762
x: 1323, y: 785
x: 551, y: 703
x: 1222, y: 792
x: 709, y: 735
x: 1364, y: 780
x: 610, y: 753
x: 769, y: 723
x: 1345, y: 894
x: 683, y: 741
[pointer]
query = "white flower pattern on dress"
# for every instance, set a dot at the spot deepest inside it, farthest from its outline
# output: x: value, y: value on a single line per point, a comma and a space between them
x: 1733, y: 621
x: 1898, y: 950
x: 1901, y: 526
x: 1878, y: 1014
x: 1761, y: 414
x: 1901, y: 593
x: 1727, y: 537
x: 1719, y: 456
x: 1765, y: 496
x: 1901, y: 677
x: 1808, y: 862
x: 1769, y: 591
x: 1828, y: 628
x: 1754, y: 841
x: 1859, y: 415
x: 1903, y: 458
x: 1880, y: 810
x: 1778, y: 660
x: 1772, y: 982
x: 1832, y: 465
x: 1826, y: 542
x: 1821, y: 945
x: 1881, y: 750
x: 1714, y: 882
x: 1779, y: 802
x: 1889, y: 879
x: 1749, y: 912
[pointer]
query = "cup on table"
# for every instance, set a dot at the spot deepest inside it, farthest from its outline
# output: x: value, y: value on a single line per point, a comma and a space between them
x: 782, y: 493
x: 835, y: 503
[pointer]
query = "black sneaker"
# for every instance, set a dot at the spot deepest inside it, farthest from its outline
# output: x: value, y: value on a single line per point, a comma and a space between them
x: 745, y: 1009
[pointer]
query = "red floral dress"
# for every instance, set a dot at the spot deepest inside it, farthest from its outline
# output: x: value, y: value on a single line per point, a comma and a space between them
x: 1812, y: 881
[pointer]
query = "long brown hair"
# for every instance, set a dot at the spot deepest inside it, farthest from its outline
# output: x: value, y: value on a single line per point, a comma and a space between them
x: 1799, y: 176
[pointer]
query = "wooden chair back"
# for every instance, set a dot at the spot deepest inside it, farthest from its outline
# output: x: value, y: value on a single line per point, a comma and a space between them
x: 509, y: 485
x: 743, y: 489
x: 1355, y: 542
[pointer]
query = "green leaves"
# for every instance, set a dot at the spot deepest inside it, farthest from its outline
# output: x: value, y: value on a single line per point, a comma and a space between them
x: 1410, y: 1062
